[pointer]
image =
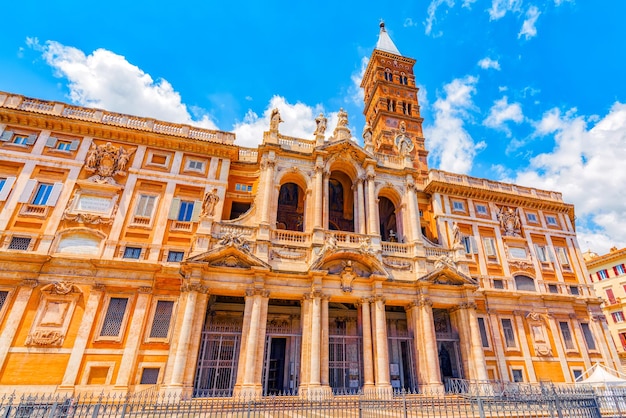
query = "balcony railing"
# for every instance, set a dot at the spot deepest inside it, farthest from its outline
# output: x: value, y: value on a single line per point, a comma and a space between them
x: 291, y: 237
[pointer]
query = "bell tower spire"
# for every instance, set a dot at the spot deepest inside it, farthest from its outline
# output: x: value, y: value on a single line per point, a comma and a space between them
x: 391, y: 106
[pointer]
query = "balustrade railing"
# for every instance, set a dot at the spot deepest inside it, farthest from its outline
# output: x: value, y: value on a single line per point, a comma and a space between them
x: 291, y: 236
x: 437, y: 252
x: 397, y: 248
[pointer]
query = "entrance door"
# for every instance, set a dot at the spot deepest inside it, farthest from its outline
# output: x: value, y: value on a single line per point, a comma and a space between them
x: 276, y: 366
x: 449, y: 360
x: 217, y: 364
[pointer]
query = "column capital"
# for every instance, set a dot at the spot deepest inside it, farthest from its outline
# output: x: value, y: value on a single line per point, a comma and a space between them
x: 424, y: 301
x: 194, y: 287
x: 598, y: 318
x: 378, y: 298
x: 518, y: 313
x: 257, y: 292
x: 32, y: 283
x: 319, y: 167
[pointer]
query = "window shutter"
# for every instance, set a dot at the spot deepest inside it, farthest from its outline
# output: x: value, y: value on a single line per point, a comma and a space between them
x: 550, y: 253
x: 31, y: 139
x: 54, y: 194
x: 474, y: 245
x: 51, y: 142
x: 6, y: 188
x: 27, y: 191
x: 6, y: 136
x: 74, y: 145
x: 614, y: 269
x: 197, y: 208
x: 174, y: 208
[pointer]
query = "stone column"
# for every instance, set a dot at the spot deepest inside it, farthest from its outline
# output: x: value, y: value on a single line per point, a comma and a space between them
x: 414, y: 213
x: 325, y: 341
x: 360, y: 206
x: 430, y: 343
x: 267, y: 165
x: 14, y: 317
x: 316, y: 317
x: 368, y: 362
x: 372, y: 213
x: 325, y: 206
x: 182, y: 349
x: 382, y: 346
x: 498, y: 346
x: 256, y: 305
x: 82, y: 337
x: 523, y: 341
x: 133, y: 340
x: 607, y: 345
x: 580, y: 340
x: 306, y: 343
x: 478, y: 354
x: 318, y: 208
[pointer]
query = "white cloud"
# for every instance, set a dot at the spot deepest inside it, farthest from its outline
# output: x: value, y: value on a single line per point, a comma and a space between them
x: 106, y: 80
x: 468, y: 3
x: 499, y: 8
x: 408, y: 22
x: 451, y: 146
x: 528, y: 27
x: 355, y: 92
x: 560, y: 2
x: 487, y: 63
x: 432, y: 10
x: 586, y: 165
x: 502, y: 112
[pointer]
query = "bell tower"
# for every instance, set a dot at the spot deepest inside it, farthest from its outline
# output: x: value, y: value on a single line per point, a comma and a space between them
x: 391, y: 107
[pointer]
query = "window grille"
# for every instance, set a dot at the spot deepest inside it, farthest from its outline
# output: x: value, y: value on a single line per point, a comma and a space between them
x: 175, y: 256
x: 149, y: 376
x: 567, y: 335
x: 112, y: 324
x: 162, y: 318
x: 483, y: 332
x: 3, y: 298
x: 509, y: 334
x: 132, y: 252
x: 591, y: 344
x: 19, y: 243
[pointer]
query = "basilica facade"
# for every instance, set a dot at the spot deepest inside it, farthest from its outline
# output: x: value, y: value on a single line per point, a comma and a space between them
x: 136, y: 253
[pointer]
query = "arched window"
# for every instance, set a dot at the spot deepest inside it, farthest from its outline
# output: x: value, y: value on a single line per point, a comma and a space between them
x: 388, y: 75
x: 290, y: 214
x: 388, y: 225
x: 525, y: 283
x: 340, y: 202
x: 403, y: 79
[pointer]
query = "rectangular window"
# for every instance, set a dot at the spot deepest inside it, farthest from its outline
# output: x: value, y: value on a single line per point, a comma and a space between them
x: 618, y: 317
x: 149, y: 376
x: 532, y: 218
x: 509, y: 334
x: 622, y: 339
x: 591, y: 343
x: 243, y: 187
x: 481, y: 209
x: 162, y: 318
x: 552, y: 288
x: 567, y: 335
x: 145, y: 206
x: 618, y: 269
x: 490, y: 247
x: 132, y: 252
x: 561, y: 253
x: 19, y: 139
x: 195, y: 165
x: 577, y: 373
x: 458, y: 206
x: 469, y: 243
x: 186, y: 210
x: 175, y: 256
x: 518, y: 375
x: 112, y: 324
x: 603, y: 274
x: 574, y: 290
x: 610, y: 296
x: 483, y: 332
x: 4, y: 294
x: 42, y: 194
x: 498, y: 284
x: 64, y: 146
x: 551, y: 220
x: 19, y: 243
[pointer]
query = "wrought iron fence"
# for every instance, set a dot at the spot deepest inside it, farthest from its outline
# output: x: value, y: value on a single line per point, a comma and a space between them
x: 480, y: 401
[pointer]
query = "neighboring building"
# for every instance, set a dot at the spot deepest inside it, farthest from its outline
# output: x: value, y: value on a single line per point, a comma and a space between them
x: 608, y: 275
x: 136, y: 252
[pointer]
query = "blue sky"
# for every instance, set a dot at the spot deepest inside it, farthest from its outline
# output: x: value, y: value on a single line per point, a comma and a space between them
x: 525, y: 91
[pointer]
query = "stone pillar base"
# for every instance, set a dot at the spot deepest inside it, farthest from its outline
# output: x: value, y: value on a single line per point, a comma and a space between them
x: 248, y: 392
x: 319, y: 236
x: 316, y: 392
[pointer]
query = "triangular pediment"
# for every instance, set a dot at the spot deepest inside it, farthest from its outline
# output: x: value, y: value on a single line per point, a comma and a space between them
x: 365, y: 264
x: 229, y: 256
x: 448, y: 275
x: 346, y: 148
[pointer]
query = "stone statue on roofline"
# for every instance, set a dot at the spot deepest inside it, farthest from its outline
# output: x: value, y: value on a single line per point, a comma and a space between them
x: 275, y: 119
x: 342, y: 131
x: 321, y: 125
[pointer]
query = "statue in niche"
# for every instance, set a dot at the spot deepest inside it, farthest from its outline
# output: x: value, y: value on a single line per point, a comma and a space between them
x: 275, y: 119
x: 208, y: 203
x: 509, y: 222
x: 107, y: 161
x: 321, y: 125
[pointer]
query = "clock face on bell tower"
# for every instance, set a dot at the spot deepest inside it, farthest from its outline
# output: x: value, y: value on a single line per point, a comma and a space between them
x: 392, y: 113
